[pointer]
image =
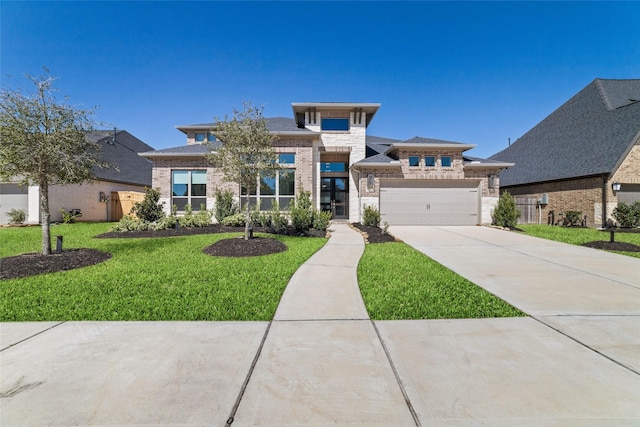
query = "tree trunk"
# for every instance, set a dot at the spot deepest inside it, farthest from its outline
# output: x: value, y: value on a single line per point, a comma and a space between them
x: 45, y: 216
x: 247, y: 218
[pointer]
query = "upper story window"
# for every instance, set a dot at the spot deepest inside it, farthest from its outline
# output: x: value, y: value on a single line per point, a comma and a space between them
x: 333, y: 167
x: 286, y: 158
x: 201, y: 137
x: 445, y: 161
x: 334, y: 124
x: 414, y: 160
x: 429, y: 161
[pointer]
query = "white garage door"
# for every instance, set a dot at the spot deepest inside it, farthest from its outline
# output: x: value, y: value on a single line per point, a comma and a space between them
x: 12, y: 196
x: 418, y: 202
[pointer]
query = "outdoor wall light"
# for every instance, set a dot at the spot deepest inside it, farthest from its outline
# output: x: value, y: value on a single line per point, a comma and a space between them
x: 615, y: 187
x: 370, y: 182
x: 492, y: 181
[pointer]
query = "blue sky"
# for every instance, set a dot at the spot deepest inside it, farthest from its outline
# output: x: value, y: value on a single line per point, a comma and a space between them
x: 472, y: 72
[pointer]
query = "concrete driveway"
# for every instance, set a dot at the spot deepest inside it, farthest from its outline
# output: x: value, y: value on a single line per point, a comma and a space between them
x: 589, y: 295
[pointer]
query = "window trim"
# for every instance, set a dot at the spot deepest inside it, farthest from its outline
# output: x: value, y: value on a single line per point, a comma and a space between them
x: 434, y: 161
x: 189, y: 197
x: 450, y: 161
x: 415, y: 158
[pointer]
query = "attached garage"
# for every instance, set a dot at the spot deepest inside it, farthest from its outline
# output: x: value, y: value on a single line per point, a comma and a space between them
x: 629, y: 193
x: 430, y: 202
x: 12, y: 196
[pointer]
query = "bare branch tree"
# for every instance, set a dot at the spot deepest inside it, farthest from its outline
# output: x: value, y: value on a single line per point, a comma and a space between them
x: 43, y: 142
x: 245, y: 152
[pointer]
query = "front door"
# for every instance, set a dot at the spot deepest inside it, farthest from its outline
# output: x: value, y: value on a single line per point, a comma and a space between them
x: 334, y: 196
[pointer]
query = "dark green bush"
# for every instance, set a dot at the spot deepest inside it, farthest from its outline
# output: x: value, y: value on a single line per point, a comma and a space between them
x: 202, y: 218
x: 149, y: 210
x: 321, y: 220
x: 572, y: 218
x: 237, y: 220
x: 371, y: 216
x: 302, y: 211
x: 506, y: 213
x: 225, y: 204
x: 627, y: 215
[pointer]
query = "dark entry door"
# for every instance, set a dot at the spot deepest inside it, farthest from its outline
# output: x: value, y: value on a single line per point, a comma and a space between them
x: 334, y: 196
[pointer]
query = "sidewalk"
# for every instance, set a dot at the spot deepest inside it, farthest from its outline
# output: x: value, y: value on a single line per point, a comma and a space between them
x: 320, y: 362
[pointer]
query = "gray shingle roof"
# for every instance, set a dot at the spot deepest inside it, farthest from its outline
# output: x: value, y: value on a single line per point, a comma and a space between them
x: 183, y: 150
x: 588, y: 135
x: 122, y: 152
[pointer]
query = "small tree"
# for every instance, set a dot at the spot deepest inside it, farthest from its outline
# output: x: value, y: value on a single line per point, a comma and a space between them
x: 225, y: 205
x: 245, y: 153
x: 149, y: 209
x: 43, y: 141
x: 506, y: 214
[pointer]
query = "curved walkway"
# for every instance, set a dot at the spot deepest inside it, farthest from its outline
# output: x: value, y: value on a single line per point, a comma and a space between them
x: 321, y: 361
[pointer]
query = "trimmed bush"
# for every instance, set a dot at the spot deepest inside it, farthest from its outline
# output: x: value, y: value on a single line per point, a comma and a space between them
x: 321, y: 220
x: 202, y: 218
x: 505, y: 214
x: 302, y: 211
x: 371, y: 216
x: 16, y: 216
x: 149, y: 210
x: 237, y: 220
x: 628, y: 216
x: 225, y: 204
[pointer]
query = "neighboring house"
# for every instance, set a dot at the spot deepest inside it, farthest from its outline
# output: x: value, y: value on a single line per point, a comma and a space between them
x: 131, y: 173
x: 585, y: 156
x: 325, y: 149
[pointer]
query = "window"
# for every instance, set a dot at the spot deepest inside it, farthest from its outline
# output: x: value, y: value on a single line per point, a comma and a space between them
x: 445, y: 161
x: 333, y: 167
x: 199, y: 136
x: 430, y: 161
x: 211, y: 137
x: 334, y: 124
x: 188, y: 187
x: 414, y: 161
x: 272, y: 186
x: 286, y: 158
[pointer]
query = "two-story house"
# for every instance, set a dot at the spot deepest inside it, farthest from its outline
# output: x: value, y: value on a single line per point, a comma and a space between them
x: 325, y: 149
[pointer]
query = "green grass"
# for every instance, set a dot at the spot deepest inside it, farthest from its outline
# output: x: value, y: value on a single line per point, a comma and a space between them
x: 579, y: 236
x: 148, y: 279
x: 399, y: 282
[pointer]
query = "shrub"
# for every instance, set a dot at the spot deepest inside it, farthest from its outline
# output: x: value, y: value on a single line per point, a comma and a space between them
x: 302, y: 211
x: 225, y: 204
x: 371, y: 216
x: 237, y: 220
x: 505, y: 214
x: 279, y: 221
x: 628, y: 216
x: 16, y: 216
x: 68, y: 217
x: 321, y: 220
x: 149, y: 210
x: 202, y: 218
x: 572, y: 218
x: 164, y: 223
x: 128, y: 223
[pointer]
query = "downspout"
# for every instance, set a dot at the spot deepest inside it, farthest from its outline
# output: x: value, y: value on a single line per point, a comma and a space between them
x: 604, y: 199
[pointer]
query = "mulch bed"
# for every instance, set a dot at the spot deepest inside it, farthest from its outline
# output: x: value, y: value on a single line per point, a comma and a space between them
x: 373, y: 234
x: 238, y: 247
x: 211, y: 229
x: 615, y: 246
x: 26, y: 265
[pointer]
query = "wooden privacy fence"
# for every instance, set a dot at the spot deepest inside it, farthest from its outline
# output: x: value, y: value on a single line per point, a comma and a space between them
x: 122, y: 202
x: 527, y: 207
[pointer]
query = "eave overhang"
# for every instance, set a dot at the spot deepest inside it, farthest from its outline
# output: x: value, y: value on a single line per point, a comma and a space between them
x: 479, y: 165
x: 428, y: 147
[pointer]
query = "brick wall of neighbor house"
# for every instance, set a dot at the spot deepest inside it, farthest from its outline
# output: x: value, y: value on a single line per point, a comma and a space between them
x: 583, y: 194
x: 85, y: 197
x: 629, y: 170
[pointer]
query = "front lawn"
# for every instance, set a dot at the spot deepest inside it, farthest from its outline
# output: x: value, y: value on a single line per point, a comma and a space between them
x: 580, y: 236
x: 149, y: 279
x: 399, y: 282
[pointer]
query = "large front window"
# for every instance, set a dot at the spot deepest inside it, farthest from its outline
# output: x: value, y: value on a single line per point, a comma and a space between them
x: 188, y: 187
x: 273, y: 186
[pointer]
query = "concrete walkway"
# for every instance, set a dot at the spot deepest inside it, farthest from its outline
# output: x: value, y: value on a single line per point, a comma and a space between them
x: 323, y: 362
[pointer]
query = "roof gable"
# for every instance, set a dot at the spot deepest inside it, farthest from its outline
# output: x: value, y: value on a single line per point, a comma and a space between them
x: 583, y: 137
x: 120, y: 149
